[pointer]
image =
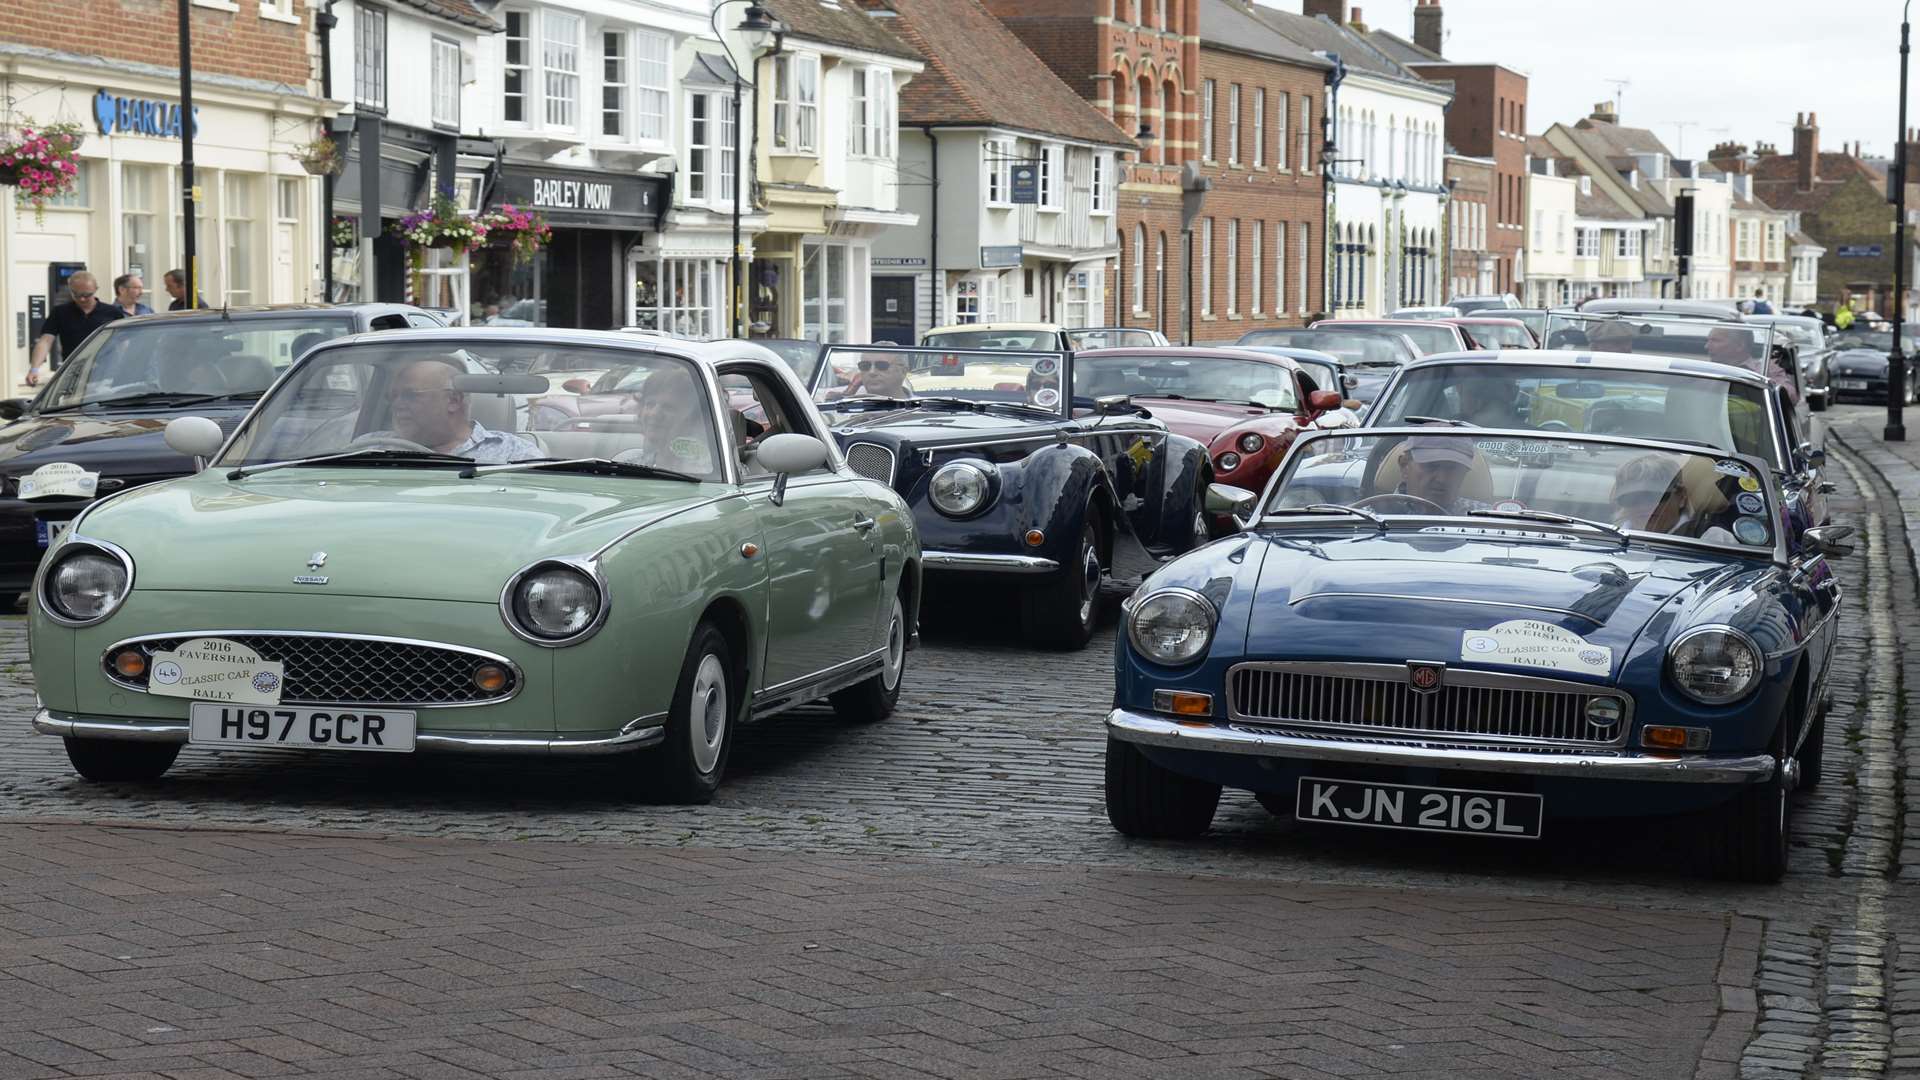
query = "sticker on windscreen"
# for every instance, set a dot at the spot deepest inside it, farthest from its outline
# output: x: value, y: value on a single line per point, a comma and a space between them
x: 1748, y: 483
x: 1750, y: 530
x: 1731, y: 468
x: 1046, y: 365
x: 1046, y: 397
x: 1509, y: 506
x: 1750, y: 502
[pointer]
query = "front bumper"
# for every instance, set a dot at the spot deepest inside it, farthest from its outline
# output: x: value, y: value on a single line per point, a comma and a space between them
x: 1211, y: 736
x: 971, y: 562
x: 634, y: 735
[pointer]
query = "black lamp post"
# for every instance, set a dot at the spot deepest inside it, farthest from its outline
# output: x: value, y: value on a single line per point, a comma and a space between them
x: 757, y: 25
x: 190, y: 259
x: 1896, y: 429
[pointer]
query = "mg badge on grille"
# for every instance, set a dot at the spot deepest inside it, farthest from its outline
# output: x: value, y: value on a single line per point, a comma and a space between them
x: 1425, y: 678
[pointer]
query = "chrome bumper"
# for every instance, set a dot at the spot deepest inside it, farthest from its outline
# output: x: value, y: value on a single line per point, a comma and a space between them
x: 993, y: 564
x: 1215, y: 737
x: 644, y: 732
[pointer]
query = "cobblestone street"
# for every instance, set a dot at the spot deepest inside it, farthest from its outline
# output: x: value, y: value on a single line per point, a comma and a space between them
x: 941, y: 895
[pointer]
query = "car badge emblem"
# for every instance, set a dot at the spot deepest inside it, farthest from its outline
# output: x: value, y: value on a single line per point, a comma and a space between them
x: 314, y: 562
x: 1425, y: 678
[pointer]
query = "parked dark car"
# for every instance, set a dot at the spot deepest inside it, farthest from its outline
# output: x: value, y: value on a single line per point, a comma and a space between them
x: 1012, y: 480
x: 95, y: 427
x: 1808, y: 338
x: 1370, y: 357
x: 1858, y: 372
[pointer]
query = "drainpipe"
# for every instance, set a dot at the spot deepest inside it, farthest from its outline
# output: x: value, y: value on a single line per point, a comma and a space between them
x: 323, y: 24
x: 936, y: 292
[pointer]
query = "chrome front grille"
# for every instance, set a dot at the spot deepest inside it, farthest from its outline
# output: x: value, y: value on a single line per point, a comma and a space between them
x: 871, y: 460
x: 344, y: 669
x: 1378, y: 700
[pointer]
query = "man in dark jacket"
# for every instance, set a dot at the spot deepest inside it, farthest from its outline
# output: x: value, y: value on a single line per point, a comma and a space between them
x: 70, y: 323
x: 176, y: 285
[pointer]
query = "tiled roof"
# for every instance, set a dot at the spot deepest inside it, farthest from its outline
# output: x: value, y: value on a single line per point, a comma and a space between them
x: 979, y: 73
x: 1316, y: 34
x: 1228, y: 24
x: 842, y: 22
x: 460, y: 11
x: 1616, y: 145
x: 1402, y: 50
x: 1832, y: 166
x: 1800, y: 239
x: 1786, y: 194
x: 1599, y: 206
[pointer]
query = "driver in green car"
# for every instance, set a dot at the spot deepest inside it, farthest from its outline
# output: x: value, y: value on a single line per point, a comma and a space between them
x: 429, y: 411
x: 1435, y: 468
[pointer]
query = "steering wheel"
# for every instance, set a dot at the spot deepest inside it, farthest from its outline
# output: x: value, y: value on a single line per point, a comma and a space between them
x: 1400, y: 497
x: 377, y: 440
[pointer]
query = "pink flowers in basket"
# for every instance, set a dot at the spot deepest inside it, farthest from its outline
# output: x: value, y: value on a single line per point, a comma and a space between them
x: 42, y: 164
x: 525, y: 231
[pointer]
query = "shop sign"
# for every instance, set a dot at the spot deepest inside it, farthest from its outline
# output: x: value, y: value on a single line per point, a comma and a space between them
x: 880, y: 261
x: 1026, y: 183
x: 583, y: 198
x: 1000, y: 257
x: 140, y: 116
x: 1861, y: 251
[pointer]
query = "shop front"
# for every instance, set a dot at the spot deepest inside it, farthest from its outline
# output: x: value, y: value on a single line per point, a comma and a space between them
x: 255, y: 235
x: 584, y: 277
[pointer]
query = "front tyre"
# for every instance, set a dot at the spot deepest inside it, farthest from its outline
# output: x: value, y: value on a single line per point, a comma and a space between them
x: 1746, y: 837
x: 105, y: 761
x: 1813, y: 751
x: 873, y: 700
x: 1060, y: 612
x: 1147, y: 801
x: 687, y: 766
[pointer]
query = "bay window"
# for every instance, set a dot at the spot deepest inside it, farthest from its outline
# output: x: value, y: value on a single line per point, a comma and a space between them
x: 560, y: 64
x: 871, y: 125
x: 518, y: 40
x: 446, y: 84
x: 680, y: 296
x: 796, y: 102
x: 995, y: 156
x: 615, y: 71
x: 710, y: 163
x: 652, y: 67
x: 370, y: 58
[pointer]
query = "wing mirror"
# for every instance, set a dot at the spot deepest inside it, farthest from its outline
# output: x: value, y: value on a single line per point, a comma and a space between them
x: 14, y: 408
x: 1323, y: 400
x: 195, y: 436
x: 1831, y: 540
x: 1112, y: 404
x: 1235, y: 502
x: 576, y: 386
x: 1810, y: 456
x: 788, y: 453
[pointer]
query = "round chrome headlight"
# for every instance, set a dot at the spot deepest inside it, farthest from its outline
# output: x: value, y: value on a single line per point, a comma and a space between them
x: 1228, y: 461
x: 1714, y: 665
x: 1172, y: 627
x: 86, y: 583
x: 958, y: 488
x: 1251, y: 443
x: 553, y: 604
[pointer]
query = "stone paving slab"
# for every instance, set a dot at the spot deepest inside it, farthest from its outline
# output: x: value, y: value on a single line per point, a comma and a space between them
x: 124, y: 950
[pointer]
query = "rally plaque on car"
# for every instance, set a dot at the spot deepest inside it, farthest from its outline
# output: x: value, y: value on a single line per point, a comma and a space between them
x: 1420, y: 809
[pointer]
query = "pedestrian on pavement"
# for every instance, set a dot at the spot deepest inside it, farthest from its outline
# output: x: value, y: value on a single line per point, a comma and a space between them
x: 71, y: 322
x: 127, y: 291
x: 1760, y: 305
x: 176, y: 286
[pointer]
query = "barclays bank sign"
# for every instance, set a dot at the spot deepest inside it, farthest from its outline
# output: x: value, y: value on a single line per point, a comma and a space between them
x: 139, y: 116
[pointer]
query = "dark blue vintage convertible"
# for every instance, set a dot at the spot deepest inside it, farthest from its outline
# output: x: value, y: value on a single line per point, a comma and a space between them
x: 1011, y: 480
x: 1476, y: 631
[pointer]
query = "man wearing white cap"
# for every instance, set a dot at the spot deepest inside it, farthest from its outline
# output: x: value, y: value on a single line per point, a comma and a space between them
x: 1435, y: 468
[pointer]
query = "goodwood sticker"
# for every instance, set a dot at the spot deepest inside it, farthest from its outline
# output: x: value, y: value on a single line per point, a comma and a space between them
x: 1536, y: 644
x: 215, y: 669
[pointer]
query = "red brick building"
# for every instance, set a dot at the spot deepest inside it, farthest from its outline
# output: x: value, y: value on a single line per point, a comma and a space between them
x: 255, y: 104
x: 1488, y: 119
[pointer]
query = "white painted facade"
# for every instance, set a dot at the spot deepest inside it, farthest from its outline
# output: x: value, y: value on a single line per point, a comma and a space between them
x: 1387, y: 244
x: 1709, y: 272
x: 1549, y: 251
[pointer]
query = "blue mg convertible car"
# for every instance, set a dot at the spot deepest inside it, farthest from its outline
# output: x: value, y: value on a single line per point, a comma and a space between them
x: 1478, y: 631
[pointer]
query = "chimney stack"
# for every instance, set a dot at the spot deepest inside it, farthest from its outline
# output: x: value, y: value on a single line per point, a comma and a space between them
x: 1603, y: 111
x: 1730, y: 157
x: 1332, y: 9
x: 1806, y: 151
x: 1426, y: 26
x: 1359, y: 27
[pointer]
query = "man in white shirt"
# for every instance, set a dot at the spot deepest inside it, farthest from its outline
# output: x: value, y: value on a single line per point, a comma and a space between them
x: 429, y: 411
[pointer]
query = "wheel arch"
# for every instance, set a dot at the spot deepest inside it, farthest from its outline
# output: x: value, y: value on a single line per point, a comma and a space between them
x: 729, y: 616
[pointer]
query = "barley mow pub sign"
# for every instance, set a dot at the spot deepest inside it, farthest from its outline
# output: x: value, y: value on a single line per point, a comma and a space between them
x: 583, y: 198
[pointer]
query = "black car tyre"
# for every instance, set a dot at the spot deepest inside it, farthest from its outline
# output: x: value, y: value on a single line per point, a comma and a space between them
x: 1817, y: 402
x: 1060, y: 612
x: 1152, y: 803
x: 1746, y: 836
x: 1813, y: 751
x: 1280, y: 806
x: 110, y: 760
x: 873, y: 700
x: 686, y: 767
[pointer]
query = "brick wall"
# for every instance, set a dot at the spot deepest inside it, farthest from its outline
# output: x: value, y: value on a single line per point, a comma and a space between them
x: 1488, y: 119
x: 225, y: 42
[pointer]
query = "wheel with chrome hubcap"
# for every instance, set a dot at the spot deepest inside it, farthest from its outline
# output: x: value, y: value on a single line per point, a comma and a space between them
x: 687, y: 766
x: 873, y: 699
x: 1060, y: 612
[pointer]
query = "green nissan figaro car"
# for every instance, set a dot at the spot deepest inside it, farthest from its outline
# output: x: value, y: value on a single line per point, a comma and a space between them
x: 386, y: 556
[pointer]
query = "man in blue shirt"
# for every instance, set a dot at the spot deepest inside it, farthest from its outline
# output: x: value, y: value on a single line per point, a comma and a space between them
x: 1760, y: 305
x: 127, y: 290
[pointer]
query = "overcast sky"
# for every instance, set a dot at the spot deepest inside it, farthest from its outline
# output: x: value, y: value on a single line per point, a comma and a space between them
x: 1730, y: 69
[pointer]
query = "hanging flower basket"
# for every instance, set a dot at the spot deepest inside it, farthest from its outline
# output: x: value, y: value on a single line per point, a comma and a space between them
x: 40, y: 163
x: 441, y: 225
x: 322, y: 157
x: 345, y: 232
x: 525, y: 232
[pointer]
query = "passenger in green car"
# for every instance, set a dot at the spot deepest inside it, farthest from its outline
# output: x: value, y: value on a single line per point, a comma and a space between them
x: 429, y: 411
x: 670, y: 422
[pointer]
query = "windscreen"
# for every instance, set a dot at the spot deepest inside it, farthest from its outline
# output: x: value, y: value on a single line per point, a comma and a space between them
x: 1741, y: 345
x: 481, y: 401
x: 1499, y: 335
x: 994, y: 339
x: 1189, y: 378
x: 1352, y: 348
x: 1110, y: 338
x: 1458, y: 472
x: 852, y: 373
x: 1427, y: 339
x: 1668, y: 406
x: 195, y: 358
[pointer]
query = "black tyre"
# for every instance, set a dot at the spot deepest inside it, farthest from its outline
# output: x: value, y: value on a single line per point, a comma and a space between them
x: 1060, y: 611
x: 1813, y: 751
x: 1746, y: 837
x: 687, y: 766
x: 1280, y: 806
x: 1153, y: 803
x: 1817, y: 402
x: 116, y: 760
x: 873, y: 700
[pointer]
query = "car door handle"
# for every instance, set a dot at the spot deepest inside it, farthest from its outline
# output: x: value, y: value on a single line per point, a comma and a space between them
x: 863, y: 524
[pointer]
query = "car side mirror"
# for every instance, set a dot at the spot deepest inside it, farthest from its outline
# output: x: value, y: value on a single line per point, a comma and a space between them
x: 1323, y: 400
x: 1235, y: 502
x: 788, y: 453
x: 1810, y: 456
x: 1833, y: 540
x: 14, y: 408
x: 1110, y: 404
x: 576, y: 386
x: 195, y: 436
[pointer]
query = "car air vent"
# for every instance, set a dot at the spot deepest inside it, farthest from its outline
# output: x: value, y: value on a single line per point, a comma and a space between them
x: 871, y: 460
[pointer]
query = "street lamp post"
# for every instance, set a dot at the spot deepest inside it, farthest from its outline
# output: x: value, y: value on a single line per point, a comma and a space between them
x: 757, y: 25
x: 1896, y: 429
x: 191, y: 261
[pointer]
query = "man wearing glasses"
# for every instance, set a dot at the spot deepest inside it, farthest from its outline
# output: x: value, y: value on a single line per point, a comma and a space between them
x: 427, y: 410
x: 880, y: 376
x: 71, y: 322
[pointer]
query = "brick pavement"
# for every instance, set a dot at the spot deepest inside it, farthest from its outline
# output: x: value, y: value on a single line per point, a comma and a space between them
x: 206, y: 954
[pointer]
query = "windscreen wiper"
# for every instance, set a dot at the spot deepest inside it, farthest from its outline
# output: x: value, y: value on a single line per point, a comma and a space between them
x: 1557, y: 519
x: 370, y: 454
x: 171, y: 398
x: 604, y: 466
x: 1435, y: 420
x: 1331, y: 508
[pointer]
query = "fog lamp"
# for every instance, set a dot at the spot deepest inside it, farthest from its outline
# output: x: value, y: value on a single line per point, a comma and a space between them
x: 1182, y: 703
x: 130, y: 663
x: 491, y: 678
x: 1676, y: 738
x: 1035, y: 538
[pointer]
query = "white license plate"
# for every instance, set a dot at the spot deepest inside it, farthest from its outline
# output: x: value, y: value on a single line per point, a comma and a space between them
x: 1850, y: 384
x: 321, y: 727
x: 48, y: 532
x: 1419, y: 809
